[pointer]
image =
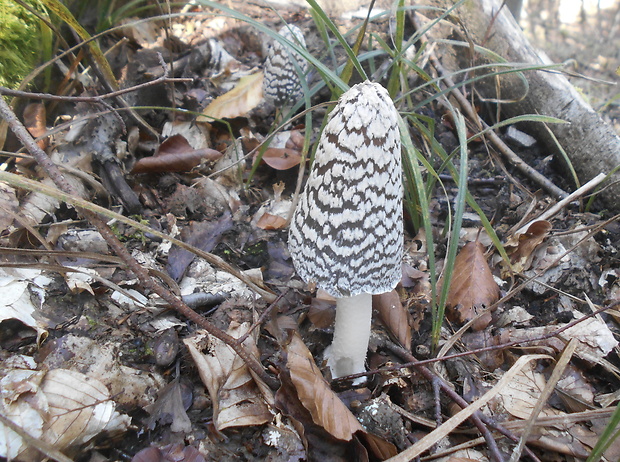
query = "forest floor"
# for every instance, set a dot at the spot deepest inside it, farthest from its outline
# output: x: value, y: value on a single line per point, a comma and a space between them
x: 128, y: 378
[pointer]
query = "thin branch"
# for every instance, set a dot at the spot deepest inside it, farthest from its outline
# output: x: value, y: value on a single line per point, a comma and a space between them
x: 148, y: 283
x: 89, y: 99
x: 598, y: 179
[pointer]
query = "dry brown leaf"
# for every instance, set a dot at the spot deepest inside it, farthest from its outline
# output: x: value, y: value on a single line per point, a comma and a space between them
x: 327, y: 410
x: 246, y: 95
x: 394, y: 316
x: 175, y: 155
x: 322, y: 313
x: 472, y: 286
x: 522, y: 393
x: 269, y: 221
x: 379, y: 447
x: 520, y: 247
x: 34, y: 120
x: 238, y: 399
x: 169, y: 408
x: 197, y: 135
x: 596, y: 339
x: 281, y: 158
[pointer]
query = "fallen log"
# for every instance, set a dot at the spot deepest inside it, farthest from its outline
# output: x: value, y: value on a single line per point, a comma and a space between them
x: 592, y: 145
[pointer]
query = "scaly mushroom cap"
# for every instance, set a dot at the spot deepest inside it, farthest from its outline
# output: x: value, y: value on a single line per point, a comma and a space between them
x: 281, y: 83
x: 347, y: 231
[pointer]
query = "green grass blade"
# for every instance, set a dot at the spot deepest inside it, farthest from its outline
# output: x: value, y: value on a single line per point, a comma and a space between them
x: 610, y: 434
x: 63, y: 13
x: 412, y: 159
x: 564, y: 155
x: 334, y: 30
x: 453, y: 244
x: 347, y: 72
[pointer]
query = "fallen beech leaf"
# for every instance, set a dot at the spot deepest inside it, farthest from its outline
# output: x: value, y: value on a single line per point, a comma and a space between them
x: 175, y: 155
x: 169, y: 409
x: 327, y: 410
x: 322, y: 313
x: 16, y: 304
x: 237, y: 102
x: 520, y: 247
x: 596, y: 340
x: 281, y: 158
x: 34, y: 120
x: 491, y: 359
x: 238, y: 398
x: 269, y: 221
x: 197, y: 135
x: 63, y: 408
x: 379, y: 447
x: 394, y: 316
x: 472, y: 286
x: 520, y: 396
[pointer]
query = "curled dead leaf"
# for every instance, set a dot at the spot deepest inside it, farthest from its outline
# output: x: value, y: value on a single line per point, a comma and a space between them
x: 394, y: 316
x: 281, y: 158
x: 62, y: 408
x: 472, y: 286
x: 270, y: 222
x: 239, y: 399
x: 175, y: 155
x: 520, y: 247
x: 34, y: 120
x: 326, y: 408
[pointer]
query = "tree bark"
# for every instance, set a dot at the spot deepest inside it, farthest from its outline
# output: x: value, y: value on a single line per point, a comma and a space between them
x: 592, y: 145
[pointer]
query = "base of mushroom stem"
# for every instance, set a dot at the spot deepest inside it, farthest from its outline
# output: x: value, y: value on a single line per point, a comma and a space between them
x: 347, y: 353
x: 342, y: 364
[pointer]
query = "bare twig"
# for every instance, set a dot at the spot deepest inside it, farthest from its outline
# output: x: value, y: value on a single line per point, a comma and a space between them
x: 89, y: 99
x: 598, y: 179
x: 141, y: 273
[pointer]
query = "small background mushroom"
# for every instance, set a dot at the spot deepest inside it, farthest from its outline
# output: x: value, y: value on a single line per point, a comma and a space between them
x: 282, y: 83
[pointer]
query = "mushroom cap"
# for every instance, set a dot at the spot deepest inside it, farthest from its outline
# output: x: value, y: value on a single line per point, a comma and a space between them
x: 281, y: 81
x: 346, y: 234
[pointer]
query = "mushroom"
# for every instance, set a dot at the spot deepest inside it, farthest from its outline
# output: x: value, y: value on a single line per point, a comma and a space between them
x: 281, y: 82
x: 346, y: 234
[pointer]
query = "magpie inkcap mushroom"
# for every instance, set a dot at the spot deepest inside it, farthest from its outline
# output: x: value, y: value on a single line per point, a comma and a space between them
x: 346, y: 234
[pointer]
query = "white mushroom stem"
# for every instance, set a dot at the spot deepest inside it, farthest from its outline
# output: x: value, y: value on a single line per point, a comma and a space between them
x: 347, y: 353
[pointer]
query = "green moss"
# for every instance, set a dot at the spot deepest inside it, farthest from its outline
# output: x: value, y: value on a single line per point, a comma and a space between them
x: 20, y: 42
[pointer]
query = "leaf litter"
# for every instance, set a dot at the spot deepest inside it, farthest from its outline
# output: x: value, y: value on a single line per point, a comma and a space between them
x: 93, y: 327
